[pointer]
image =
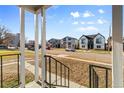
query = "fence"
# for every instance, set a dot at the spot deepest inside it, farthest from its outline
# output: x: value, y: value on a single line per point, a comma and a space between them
x: 94, y: 77
x: 2, y: 65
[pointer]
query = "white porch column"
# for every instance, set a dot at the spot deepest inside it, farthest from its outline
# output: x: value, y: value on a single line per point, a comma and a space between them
x: 43, y: 43
x: 117, y: 33
x: 36, y: 47
x: 22, y: 47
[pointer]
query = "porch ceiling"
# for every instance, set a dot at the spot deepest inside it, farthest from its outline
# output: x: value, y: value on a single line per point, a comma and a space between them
x: 34, y: 8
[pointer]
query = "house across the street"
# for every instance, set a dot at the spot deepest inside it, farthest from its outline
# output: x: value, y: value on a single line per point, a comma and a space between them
x: 69, y: 42
x: 31, y: 45
x: 15, y: 41
x: 96, y: 41
x: 54, y: 43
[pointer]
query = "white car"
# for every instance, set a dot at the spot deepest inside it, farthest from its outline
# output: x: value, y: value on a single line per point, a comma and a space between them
x: 12, y: 48
x: 70, y: 49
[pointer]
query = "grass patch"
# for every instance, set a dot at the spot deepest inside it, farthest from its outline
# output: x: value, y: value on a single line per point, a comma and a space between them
x: 7, y: 59
x: 3, y: 52
x: 10, y: 76
x: 12, y: 81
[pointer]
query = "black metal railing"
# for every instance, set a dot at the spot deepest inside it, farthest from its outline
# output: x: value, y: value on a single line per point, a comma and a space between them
x: 2, y: 66
x: 60, y: 70
x: 94, y: 77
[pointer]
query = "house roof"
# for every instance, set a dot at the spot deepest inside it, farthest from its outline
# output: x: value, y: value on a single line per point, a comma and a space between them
x: 53, y: 39
x: 69, y: 37
x: 91, y: 36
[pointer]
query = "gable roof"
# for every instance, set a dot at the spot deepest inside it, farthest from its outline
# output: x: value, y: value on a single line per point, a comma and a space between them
x: 53, y: 39
x: 91, y: 36
x: 69, y: 37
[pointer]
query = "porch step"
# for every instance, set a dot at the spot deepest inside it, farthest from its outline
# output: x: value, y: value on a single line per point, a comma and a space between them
x: 33, y: 84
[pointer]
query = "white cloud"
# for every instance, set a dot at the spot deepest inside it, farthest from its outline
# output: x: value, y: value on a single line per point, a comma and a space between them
x: 75, y: 23
x: 89, y: 28
x: 82, y: 22
x: 61, y: 21
x: 101, y: 21
x: 101, y: 11
x: 75, y: 14
x: 90, y: 22
x: 88, y: 14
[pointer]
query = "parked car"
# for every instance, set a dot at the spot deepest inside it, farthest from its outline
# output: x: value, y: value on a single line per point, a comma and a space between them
x: 12, y: 48
x: 3, y: 47
x: 70, y: 49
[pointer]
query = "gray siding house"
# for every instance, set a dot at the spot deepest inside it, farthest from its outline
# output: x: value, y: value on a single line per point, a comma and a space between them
x: 54, y: 43
x: 69, y: 42
x: 96, y: 41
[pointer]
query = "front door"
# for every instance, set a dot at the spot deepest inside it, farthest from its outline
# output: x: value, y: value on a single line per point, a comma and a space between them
x: 90, y: 44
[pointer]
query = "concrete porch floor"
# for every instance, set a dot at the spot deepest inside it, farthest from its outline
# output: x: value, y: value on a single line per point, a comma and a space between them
x: 33, y: 84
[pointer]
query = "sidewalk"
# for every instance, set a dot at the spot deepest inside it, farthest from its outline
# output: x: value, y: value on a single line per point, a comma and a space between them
x: 35, y: 85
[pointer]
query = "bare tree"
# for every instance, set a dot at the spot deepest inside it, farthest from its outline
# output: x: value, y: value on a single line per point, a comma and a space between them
x: 5, y: 36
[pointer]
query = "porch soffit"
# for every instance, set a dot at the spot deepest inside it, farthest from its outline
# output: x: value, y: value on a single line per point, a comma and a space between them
x: 34, y: 8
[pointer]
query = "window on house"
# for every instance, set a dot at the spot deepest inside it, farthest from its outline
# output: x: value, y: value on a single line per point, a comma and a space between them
x: 83, y: 46
x: 83, y: 41
x: 69, y: 43
x: 99, y: 40
x: 12, y: 42
x: 98, y: 46
x: 64, y: 39
x: 63, y: 43
x: 69, y: 38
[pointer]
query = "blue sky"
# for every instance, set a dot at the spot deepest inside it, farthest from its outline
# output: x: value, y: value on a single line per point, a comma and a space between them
x: 62, y: 20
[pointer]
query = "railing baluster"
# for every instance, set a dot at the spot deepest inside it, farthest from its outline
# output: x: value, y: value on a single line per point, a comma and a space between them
x: 97, y: 81
x: 68, y: 78
x: 61, y: 74
x: 18, y: 69
x: 90, y: 79
x: 46, y: 68
x: 1, y: 72
x: 65, y: 75
x: 93, y: 77
x: 106, y: 78
x: 56, y: 72
x: 50, y: 71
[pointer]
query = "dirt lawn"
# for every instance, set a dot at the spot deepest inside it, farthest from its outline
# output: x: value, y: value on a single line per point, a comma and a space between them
x: 98, y: 55
x: 79, y: 70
